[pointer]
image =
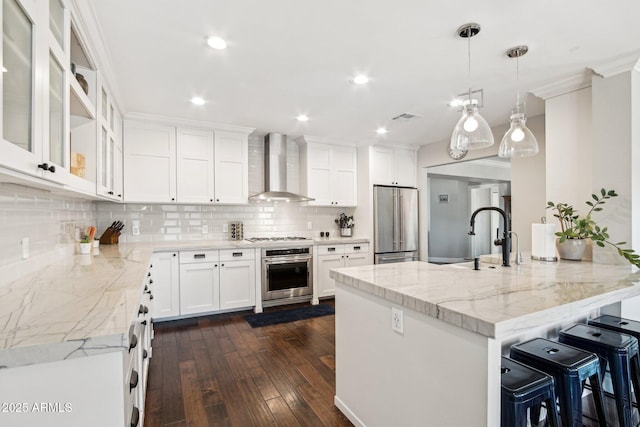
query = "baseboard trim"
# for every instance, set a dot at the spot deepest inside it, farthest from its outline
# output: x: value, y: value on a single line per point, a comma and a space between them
x: 347, y: 412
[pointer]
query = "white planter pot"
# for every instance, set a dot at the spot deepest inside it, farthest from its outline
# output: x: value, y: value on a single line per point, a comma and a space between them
x: 345, y: 232
x: 572, y: 249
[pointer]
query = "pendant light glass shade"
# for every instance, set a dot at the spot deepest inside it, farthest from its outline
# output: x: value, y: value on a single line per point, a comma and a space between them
x: 472, y: 131
x: 519, y: 141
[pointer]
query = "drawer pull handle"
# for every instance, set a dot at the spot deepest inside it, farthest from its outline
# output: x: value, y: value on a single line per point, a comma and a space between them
x: 236, y: 254
x: 331, y: 249
x: 135, y: 417
x: 133, y: 382
x: 151, y: 281
x: 133, y: 342
x: 199, y: 256
x: 143, y: 309
x: 356, y: 248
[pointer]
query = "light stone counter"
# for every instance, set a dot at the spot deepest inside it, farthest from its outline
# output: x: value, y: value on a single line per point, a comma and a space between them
x: 455, y: 323
x: 84, y: 304
x: 500, y: 301
x: 81, y: 305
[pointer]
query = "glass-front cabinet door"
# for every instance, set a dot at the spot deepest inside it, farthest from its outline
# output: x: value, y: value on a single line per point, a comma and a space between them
x: 19, y: 147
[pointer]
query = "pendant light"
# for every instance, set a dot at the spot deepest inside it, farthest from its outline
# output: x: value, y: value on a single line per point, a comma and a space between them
x: 519, y: 141
x: 472, y: 131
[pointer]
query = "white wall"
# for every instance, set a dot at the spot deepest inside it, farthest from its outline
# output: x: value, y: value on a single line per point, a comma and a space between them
x: 528, y: 189
x: 568, y: 157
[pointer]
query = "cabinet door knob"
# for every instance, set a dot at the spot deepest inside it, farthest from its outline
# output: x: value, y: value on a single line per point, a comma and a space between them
x: 46, y: 167
x: 173, y: 199
x: 110, y: 193
x: 217, y: 200
x: 119, y: 195
x: 133, y: 342
x: 133, y: 382
x: 135, y: 417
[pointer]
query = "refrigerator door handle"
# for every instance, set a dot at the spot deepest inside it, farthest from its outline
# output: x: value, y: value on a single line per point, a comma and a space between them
x: 395, y: 219
x: 401, y: 221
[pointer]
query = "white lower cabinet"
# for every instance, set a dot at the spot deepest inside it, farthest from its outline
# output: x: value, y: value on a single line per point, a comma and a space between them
x: 199, y: 282
x: 337, y: 256
x: 192, y: 282
x: 237, y: 278
x: 165, y: 276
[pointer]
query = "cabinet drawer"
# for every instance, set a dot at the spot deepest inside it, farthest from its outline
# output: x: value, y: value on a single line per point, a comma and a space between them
x: 236, y: 254
x: 330, y: 249
x: 193, y: 257
x: 354, y: 248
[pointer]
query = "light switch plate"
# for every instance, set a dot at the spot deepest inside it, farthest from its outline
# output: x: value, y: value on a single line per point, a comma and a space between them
x: 25, y: 247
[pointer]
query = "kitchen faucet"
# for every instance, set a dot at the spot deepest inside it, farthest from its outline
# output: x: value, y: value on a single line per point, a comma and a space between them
x: 518, y: 254
x: 505, y: 242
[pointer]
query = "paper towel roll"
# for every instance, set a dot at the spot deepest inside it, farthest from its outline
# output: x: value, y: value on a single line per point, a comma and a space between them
x: 543, y: 242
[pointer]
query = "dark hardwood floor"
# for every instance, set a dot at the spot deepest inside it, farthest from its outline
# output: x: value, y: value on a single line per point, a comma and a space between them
x: 218, y: 371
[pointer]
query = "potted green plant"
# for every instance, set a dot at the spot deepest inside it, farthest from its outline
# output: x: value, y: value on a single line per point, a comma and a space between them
x: 346, y: 224
x: 575, y: 229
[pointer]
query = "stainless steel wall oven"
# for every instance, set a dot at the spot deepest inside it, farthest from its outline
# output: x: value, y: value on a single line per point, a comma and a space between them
x: 287, y: 275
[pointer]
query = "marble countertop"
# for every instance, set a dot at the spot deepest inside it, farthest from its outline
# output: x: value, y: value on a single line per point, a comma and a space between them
x: 496, y: 301
x: 80, y: 305
x: 84, y: 304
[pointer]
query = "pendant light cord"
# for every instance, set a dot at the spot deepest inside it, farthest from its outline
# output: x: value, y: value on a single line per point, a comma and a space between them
x: 517, y: 84
x: 469, y: 58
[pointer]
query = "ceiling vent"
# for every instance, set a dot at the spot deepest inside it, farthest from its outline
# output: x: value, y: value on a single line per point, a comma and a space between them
x: 405, y: 117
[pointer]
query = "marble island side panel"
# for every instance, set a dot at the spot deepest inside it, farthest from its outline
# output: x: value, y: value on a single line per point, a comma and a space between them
x: 496, y: 302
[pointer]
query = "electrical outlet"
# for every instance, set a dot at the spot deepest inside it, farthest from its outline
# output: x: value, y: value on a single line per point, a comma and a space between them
x: 309, y: 225
x: 25, y: 247
x: 135, y: 230
x: 397, y: 321
x: 225, y: 228
x: 205, y: 229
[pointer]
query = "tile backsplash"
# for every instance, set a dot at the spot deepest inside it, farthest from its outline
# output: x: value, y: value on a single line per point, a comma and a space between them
x: 51, y: 221
x: 186, y: 222
x: 47, y: 219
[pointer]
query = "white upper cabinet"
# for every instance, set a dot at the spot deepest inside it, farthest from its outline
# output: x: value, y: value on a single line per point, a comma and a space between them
x: 393, y: 166
x: 149, y: 163
x: 109, y: 147
x: 165, y: 164
x: 48, y: 116
x: 329, y: 174
x: 195, y: 166
x: 231, y: 167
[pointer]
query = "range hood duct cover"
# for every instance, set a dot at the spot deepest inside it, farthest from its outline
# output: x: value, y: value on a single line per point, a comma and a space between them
x: 275, y: 172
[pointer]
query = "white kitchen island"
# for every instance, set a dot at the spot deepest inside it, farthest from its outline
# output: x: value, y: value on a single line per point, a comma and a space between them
x: 443, y: 369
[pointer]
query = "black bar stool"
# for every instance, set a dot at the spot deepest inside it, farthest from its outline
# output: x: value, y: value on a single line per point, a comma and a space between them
x: 569, y: 367
x: 620, y: 352
x: 525, y: 388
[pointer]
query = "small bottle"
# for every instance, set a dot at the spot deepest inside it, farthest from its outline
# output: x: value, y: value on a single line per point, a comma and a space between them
x: 476, y: 263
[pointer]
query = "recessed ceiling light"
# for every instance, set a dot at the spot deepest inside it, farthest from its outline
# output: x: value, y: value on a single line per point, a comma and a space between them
x: 381, y: 130
x: 360, y: 79
x: 302, y: 118
x: 216, y: 43
x: 196, y: 100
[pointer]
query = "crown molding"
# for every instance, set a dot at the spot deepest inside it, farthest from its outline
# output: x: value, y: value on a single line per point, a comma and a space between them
x: 567, y: 85
x: 618, y: 65
x: 174, y: 121
x: 309, y: 139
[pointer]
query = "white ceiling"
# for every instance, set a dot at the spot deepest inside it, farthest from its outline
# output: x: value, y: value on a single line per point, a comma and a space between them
x: 286, y: 57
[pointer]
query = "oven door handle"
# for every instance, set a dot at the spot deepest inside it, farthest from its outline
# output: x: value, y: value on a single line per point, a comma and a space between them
x: 285, y: 260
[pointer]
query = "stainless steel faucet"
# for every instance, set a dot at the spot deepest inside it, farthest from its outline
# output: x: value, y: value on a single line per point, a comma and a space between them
x: 518, y: 254
x: 505, y: 242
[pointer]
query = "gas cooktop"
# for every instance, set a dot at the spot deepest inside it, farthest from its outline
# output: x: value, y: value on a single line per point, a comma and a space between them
x: 277, y: 239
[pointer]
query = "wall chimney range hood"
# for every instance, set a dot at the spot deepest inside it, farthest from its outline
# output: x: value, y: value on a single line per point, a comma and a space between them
x: 275, y: 172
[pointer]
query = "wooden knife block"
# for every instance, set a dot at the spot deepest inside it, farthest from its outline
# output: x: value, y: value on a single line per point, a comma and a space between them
x: 109, y: 237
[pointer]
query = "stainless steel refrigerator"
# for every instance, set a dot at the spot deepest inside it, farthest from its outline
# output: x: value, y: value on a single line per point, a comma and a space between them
x: 395, y: 222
